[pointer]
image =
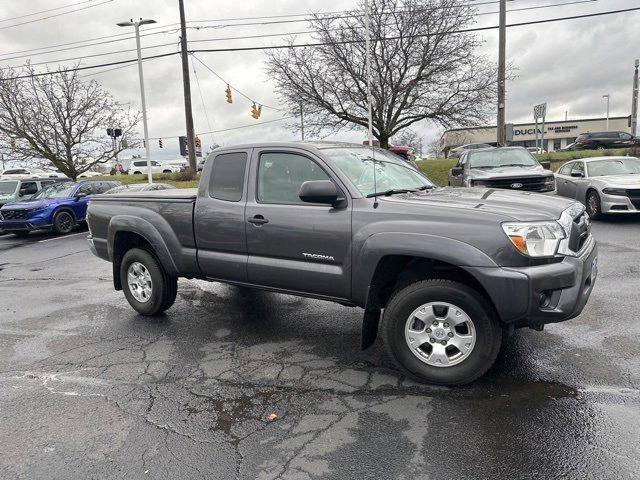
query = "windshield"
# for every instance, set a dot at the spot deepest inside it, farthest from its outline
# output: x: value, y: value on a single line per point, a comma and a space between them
x: 59, y: 190
x: 8, y: 188
x: 618, y: 166
x: 392, y: 173
x: 502, y: 158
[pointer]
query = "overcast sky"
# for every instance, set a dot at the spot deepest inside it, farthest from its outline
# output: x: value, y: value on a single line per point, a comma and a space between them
x: 570, y: 65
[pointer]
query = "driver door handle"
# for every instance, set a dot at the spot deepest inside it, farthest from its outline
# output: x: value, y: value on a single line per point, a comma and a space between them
x: 258, y: 220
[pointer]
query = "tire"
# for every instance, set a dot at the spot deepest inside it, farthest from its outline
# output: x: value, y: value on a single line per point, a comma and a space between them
x: 594, y: 206
x: 160, y: 288
x: 63, y: 222
x: 167, y: 171
x: 467, y: 366
x: 20, y: 233
x: 137, y: 173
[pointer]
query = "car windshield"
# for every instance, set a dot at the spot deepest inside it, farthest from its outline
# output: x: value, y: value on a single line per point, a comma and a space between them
x: 391, y: 173
x: 502, y: 158
x: 617, y: 166
x: 8, y: 188
x: 59, y: 190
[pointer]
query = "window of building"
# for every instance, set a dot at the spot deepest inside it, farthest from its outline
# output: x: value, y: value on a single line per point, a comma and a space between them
x: 280, y: 176
x: 227, y: 176
x: 557, y: 145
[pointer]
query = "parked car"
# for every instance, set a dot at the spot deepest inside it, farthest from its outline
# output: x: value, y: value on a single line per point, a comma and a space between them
x: 536, y: 150
x: 502, y: 167
x: 569, y: 148
x: 604, y: 184
x: 604, y: 140
x: 456, y: 152
x: 19, y: 190
x: 58, y: 207
x: 90, y: 174
x: 452, y: 269
x: 140, y: 166
x: 14, y: 173
x: 139, y: 187
x: 406, y: 153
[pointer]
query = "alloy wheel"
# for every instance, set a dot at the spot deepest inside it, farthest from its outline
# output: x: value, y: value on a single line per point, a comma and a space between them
x: 139, y: 282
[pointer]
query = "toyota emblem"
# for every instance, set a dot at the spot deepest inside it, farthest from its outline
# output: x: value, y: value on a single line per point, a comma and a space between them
x: 516, y: 185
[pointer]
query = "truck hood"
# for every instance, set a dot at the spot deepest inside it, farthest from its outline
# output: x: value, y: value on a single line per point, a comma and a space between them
x: 500, y: 172
x: 510, y: 205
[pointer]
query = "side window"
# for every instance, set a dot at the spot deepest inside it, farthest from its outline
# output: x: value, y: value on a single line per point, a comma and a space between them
x: 87, y: 189
x: 565, y: 169
x: 227, y: 176
x: 280, y: 176
x: 625, y: 136
x: 578, y: 167
x: 28, y: 188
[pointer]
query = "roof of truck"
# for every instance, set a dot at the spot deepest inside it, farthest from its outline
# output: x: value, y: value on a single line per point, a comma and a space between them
x: 318, y: 144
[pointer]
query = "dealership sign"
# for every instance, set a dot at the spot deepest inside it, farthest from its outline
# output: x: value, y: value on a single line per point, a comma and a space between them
x: 552, y: 129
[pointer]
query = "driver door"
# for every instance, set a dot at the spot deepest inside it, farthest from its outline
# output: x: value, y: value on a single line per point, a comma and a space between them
x: 293, y: 245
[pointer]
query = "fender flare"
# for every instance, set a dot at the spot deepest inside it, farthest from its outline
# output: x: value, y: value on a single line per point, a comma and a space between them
x: 162, y: 244
x: 420, y: 245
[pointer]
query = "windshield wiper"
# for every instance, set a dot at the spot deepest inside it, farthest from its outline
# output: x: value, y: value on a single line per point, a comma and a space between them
x: 392, y: 191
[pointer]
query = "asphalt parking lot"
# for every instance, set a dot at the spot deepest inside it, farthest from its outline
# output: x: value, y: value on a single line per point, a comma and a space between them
x: 235, y: 383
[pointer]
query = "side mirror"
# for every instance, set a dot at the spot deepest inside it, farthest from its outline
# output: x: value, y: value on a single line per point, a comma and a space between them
x: 319, y: 191
x: 546, y: 164
x: 577, y: 174
x: 456, y: 171
x: 80, y: 195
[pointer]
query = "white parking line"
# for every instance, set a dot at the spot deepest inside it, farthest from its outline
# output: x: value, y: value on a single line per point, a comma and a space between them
x: 63, y: 237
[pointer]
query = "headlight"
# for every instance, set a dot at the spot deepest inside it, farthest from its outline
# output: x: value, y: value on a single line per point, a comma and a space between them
x: 538, y: 239
x: 479, y: 183
x: 615, y: 191
x: 550, y: 182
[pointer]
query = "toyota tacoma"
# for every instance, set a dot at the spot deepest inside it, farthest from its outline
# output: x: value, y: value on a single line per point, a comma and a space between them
x: 441, y: 273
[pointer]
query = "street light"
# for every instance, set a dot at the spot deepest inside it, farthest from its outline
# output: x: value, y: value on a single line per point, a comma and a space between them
x: 137, y: 24
x: 608, y: 97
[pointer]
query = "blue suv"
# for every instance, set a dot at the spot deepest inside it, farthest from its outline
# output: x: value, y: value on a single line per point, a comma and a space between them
x: 58, y: 207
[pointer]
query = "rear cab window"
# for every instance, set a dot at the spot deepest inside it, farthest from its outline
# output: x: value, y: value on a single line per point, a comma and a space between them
x: 227, y: 176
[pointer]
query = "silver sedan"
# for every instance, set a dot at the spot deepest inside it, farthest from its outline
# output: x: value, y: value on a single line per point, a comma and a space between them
x: 604, y: 184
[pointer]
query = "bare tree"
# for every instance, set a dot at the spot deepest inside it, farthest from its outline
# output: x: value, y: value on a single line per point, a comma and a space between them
x: 423, y: 67
x: 62, y: 120
x: 409, y: 138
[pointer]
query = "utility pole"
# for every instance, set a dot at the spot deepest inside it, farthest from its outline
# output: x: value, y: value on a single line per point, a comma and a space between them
x: 137, y: 25
x: 634, y: 102
x: 188, y: 113
x: 502, y: 40
x: 302, y: 121
x: 608, y: 97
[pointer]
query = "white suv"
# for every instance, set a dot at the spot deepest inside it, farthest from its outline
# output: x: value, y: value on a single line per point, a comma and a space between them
x: 140, y: 166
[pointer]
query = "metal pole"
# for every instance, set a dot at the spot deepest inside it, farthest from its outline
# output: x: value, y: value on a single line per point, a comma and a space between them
x: 544, y: 117
x: 634, y: 102
x: 188, y: 113
x: 144, y: 104
x: 502, y: 39
x: 537, y: 146
x: 367, y: 22
x: 608, y: 97
x: 302, y: 121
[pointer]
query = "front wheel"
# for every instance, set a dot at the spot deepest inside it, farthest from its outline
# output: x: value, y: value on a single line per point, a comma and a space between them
x: 63, y: 222
x: 441, y: 332
x: 147, y: 287
x: 594, y: 207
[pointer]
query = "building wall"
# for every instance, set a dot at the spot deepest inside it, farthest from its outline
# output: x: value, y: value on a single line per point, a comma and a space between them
x: 557, y: 134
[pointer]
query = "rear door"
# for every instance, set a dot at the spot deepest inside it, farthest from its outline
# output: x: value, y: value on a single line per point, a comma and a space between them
x: 294, y: 245
x: 219, y: 218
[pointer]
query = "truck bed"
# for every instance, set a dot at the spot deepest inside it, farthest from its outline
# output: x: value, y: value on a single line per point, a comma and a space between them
x: 188, y: 194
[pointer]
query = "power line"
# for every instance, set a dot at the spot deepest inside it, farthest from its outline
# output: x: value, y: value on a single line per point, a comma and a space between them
x: 468, y: 30
x: 521, y: 24
x: 204, y: 106
x: 45, y: 11
x: 56, y: 15
x: 254, y: 124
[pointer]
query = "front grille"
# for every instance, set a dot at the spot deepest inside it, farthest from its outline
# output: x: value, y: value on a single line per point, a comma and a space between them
x: 530, y: 184
x: 580, y: 232
x: 634, y: 196
x: 15, y: 214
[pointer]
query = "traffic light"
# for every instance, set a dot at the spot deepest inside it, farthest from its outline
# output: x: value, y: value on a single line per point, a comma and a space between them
x: 13, y: 144
x: 197, y: 142
x: 228, y: 91
x: 256, y: 111
x: 160, y: 143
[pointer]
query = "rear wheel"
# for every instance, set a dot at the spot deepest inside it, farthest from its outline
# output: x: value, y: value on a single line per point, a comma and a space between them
x: 594, y: 207
x: 63, y: 222
x: 441, y: 331
x: 146, y: 286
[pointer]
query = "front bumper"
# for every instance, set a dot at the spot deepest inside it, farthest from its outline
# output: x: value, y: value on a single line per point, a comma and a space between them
x: 617, y: 204
x: 24, y: 225
x: 534, y: 296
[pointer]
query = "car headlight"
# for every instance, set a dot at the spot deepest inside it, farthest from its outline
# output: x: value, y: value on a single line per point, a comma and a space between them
x: 535, y: 239
x: 550, y: 182
x: 615, y: 191
x: 479, y: 183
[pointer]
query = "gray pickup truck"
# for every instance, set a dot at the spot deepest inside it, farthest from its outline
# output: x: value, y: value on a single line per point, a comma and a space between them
x: 442, y: 273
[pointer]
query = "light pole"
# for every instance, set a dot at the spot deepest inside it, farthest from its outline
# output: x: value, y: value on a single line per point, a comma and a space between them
x: 608, y: 97
x: 136, y: 25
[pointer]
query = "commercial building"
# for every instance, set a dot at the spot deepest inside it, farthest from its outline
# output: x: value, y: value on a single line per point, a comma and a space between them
x: 557, y: 135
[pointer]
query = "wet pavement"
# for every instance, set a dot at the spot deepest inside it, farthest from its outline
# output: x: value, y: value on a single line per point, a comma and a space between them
x: 236, y: 383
